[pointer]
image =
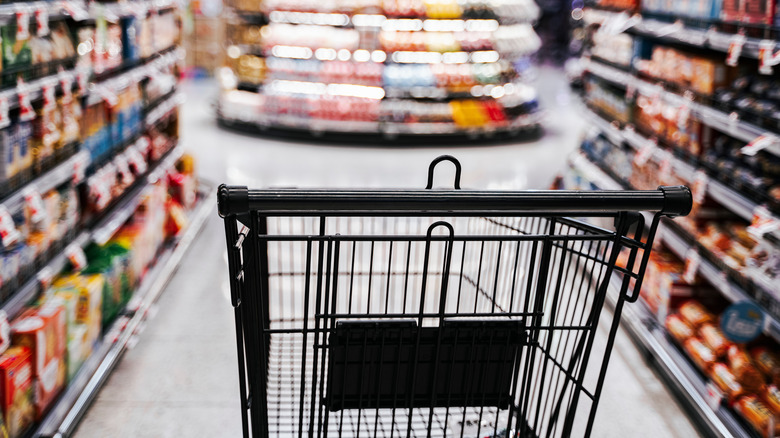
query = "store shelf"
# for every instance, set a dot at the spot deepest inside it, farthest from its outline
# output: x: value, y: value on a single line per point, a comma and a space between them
x: 164, y: 108
x: 55, y: 177
x: 727, y: 123
x: 686, y: 382
x: 593, y: 173
x: 357, y: 19
x: 64, y: 416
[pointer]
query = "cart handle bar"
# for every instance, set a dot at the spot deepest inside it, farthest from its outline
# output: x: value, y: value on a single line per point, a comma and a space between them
x: 238, y: 200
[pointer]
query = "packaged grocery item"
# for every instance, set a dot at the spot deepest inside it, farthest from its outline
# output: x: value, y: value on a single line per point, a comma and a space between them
x: 111, y: 262
x: 678, y: 328
x: 768, y: 362
x: 16, y: 390
x: 42, y: 330
x: 699, y: 353
x: 713, y: 337
x: 743, y: 368
x: 758, y: 11
x: 695, y: 314
x: 757, y: 414
x: 17, y: 55
x: 79, y: 349
x: 772, y: 398
x: 726, y: 381
x: 89, y: 290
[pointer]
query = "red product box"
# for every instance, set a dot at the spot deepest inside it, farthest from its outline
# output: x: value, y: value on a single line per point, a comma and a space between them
x: 758, y: 11
x: 16, y: 390
x: 733, y: 10
x: 42, y: 330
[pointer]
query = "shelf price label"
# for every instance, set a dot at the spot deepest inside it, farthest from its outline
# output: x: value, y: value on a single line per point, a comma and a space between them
x: 34, y: 204
x: 645, y: 152
x: 767, y: 58
x: 735, y: 49
x: 83, y: 79
x: 76, y: 256
x: 26, y: 111
x: 42, y: 21
x: 5, y: 119
x: 763, y: 222
x: 692, y: 262
x: 8, y: 232
x: 760, y: 143
x: 49, y: 97
x: 79, y: 170
x: 45, y: 277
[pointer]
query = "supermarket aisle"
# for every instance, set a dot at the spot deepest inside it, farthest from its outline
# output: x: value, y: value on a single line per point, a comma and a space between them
x: 181, y: 380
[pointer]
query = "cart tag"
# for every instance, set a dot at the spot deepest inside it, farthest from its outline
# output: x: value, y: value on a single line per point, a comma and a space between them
x: 5, y: 119
x: 76, y: 256
x: 34, y: 203
x: 45, y: 277
x: 763, y: 222
x: 714, y: 396
x: 22, y: 24
x: 767, y: 58
x: 26, y: 111
x: 66, y: 82
x: 645, y: 152
x: 8, y: 232
x: 75, y: 10
x: 760, y: 143
x: 49, y: 97
x: 5, y: 332
x: 692, y: 262
x: 735, y: 49
x: 699, y: 188
x: 42, y: 21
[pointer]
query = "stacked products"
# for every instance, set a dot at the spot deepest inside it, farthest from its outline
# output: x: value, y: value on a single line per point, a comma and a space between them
x: 393, y: 64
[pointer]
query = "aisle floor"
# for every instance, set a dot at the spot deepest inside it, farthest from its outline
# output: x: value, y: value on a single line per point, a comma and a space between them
x: 181, y: 378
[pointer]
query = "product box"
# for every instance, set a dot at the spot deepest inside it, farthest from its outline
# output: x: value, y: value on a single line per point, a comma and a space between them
x: 42, y: 330
x: 79, y: 349
x: 733, y: 10
x: 16, y: 390
x: 759, y: 11
x: 89, y: 290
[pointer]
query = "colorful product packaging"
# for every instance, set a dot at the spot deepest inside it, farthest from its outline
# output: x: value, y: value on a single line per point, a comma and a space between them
x: 16, y: 390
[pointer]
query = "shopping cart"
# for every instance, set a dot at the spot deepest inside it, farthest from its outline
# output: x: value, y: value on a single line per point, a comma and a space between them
x: 427, y: 313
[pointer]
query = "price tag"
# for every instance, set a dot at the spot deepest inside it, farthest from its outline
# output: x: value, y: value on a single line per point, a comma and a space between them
x: 5, y: 331
x: 45, y: 277
x: 136, y: 160
x: 645, y: 152
x: 49, y: 97
x: 34, y: 204
x: 76, y: 256
x: 83, y: 79
x: 22, y: 24
x: 767, y: 57
x: 763, y: 222
x: 66, y: 82
x: 760, y: 143
x: 26, y: 111
x: 123, y: 168
x: 5, y: 119
x: 8, y: 232
x: 42, y: 21
x: 699, y: 189
x: 692, y: 262
x: 79, y: 170
x: 714, y: 396
x: 735, y: 49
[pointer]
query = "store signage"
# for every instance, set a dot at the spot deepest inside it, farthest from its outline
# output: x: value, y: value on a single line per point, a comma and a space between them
x: 742, y: 322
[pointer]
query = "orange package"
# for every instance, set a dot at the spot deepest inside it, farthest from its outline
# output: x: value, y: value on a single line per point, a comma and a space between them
x: 744, y: 369
x: 757, y: 414
x: 42, y: 330
x: 772, y: 398
x: 726, y: 381
x: 700, y: 353
x: 695, y: 314
x: 16, y: 392
x: 768, y: 362
x: 713, y: 337
x: 678, y: 328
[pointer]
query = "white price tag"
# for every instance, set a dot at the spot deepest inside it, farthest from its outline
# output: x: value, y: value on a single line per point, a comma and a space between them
x: 79, y: 170
x: 49, y: 96
x: 5, y: 332
x: 763, y: 222
x: 735, y: 49
x: 26, y: 111
x: 136, y: 160
x: 42, y: 21
x: 22, y: 24
x: 699, y: 189
x: 76, y: 256
x: 8, y: 232
x: 645, y: 152
x: 692, y: 262
x: 123, y: 167
x: 99, y: 191
x: 5, y: 119
x: 714, y: 396
x: 760, y: 143
x: 34, y: 204
x: 45, y: 277
x: 767, y: 57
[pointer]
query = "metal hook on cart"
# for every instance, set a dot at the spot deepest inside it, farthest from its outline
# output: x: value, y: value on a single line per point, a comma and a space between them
x: 438, y: 160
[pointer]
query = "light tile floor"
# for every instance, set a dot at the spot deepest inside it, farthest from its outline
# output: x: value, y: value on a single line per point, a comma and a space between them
x: 181, y: 378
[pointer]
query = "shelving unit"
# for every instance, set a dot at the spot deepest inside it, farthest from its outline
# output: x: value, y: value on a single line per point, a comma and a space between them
x: 463, y: 76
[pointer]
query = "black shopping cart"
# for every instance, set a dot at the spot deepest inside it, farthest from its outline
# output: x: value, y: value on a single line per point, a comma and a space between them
x: 427, y: 313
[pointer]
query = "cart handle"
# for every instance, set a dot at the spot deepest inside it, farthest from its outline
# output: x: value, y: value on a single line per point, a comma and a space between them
x: 238, y: 200
x: 438, y: 160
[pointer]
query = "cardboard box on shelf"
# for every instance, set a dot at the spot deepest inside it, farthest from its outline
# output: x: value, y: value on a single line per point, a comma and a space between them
x: 16, y: 390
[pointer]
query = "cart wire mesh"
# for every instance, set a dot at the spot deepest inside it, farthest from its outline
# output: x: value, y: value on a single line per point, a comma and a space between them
x: 413, y: 324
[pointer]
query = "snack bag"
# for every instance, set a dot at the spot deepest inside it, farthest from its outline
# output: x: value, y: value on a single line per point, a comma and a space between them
x: 16, y: 390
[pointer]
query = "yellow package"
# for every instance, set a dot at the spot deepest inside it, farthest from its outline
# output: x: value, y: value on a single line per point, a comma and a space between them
x: 89, y: 290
